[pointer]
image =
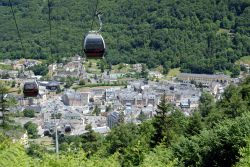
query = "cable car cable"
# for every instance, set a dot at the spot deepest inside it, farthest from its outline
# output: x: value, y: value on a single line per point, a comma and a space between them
x: 100, y: 21
x: 49, y: 7
x: 17, y: 29
x: 94, y: 13
x: 94, y: 45
x: 49, y: 18
x: 50, y: 35
x: 30, y: 89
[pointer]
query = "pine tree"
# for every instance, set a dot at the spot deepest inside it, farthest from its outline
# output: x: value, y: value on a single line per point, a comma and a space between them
x: 121, y: 118
x: 194, y: 125
x: 4, y: 105
x: 162, y: 123
x: 206, y: 104
x: 97, y: 110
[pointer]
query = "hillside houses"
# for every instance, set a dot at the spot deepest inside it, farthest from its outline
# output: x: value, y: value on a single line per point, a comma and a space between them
x: 72, y: 68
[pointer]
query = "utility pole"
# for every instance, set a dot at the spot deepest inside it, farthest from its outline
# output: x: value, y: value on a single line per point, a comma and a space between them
x: 57, y: 145
x: 56, y: 124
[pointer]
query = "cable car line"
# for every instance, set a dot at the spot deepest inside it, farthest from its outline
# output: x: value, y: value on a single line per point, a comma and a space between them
x: 100, y: 21
x: 94, y: 45
x: 30, y: 88
x: 50, y: 39
x: 94, y: 14
x: 49, y: 17
x: 17, y: 29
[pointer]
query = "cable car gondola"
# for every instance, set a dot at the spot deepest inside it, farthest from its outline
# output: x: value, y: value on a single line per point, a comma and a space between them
x: 30, y: 89
x: 67, y: 128
x: 94, y: 45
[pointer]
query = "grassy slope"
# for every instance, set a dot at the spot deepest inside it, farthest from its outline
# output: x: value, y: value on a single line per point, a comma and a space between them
x: 244, y: 60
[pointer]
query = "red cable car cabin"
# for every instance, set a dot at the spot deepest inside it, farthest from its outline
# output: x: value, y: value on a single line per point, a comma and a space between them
x: 94, y: 45
x: 30, y: 89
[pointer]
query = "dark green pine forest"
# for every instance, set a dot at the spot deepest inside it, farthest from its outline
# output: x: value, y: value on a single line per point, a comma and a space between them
x: 200, y: 36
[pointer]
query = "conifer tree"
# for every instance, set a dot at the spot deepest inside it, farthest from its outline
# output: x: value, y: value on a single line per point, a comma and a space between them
x: 161, y: 123
x: 4, y: 105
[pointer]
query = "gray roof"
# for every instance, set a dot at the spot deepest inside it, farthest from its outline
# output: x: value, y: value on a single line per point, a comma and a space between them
x: 75, y: 95
x: 72, y: 114
x: 53, y: 83
x: 203, y: 75
x: 114, y: 114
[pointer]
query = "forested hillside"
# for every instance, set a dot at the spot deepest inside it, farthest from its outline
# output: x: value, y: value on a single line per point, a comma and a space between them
x: 197, y: 35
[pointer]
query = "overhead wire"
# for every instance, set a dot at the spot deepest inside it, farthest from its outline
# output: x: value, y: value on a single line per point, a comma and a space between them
x: 94, y: 13
x: 17, y: 29
x: 50, y: 36
x: 49, y: 12
x: 92, y: 23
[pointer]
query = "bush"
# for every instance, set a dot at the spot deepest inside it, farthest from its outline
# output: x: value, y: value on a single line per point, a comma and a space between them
x: 31, y: 129
x: 29, y: 113
x: 81, y: 82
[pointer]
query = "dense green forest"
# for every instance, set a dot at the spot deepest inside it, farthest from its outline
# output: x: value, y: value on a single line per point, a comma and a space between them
x: 217, y: 134
x: 199, y: 36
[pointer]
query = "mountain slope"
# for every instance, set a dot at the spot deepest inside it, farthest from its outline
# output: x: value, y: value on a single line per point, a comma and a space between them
x: 197, y: 35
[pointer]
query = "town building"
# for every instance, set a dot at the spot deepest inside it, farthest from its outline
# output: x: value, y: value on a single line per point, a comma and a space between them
x: 155, y: 74
x: 75, y: 99
x: 205, y: 79
x: 113, y: 119
x: 53, y: 86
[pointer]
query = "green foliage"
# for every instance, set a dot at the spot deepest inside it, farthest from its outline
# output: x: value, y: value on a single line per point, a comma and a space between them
x: 235, y: 71
x: 56, y: 115
x: 40, y: 69
x: 195, y: 124
x: 96, y: 111
x: 5, y: 67
x: 29, y: 113
x: 108, y: 108
x: 12, y: 154
x: 90, y: 64
x: 160, y: 157
x: 102, y: 66
x: 218, y: 146
x: 142, y: 117
x: 144, y: 72
x: 245, y: 156
x: 5, y: 104
x: 233, y: 104
x: 90, y: 142
x: 35, y: 150
x: 206, y: 104
x: 13, y: 83
x: 82, y: 82
x: 121, y: 137
x: 31, y: 129
x: 162, y: 123
x: 69, y: 81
